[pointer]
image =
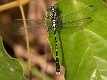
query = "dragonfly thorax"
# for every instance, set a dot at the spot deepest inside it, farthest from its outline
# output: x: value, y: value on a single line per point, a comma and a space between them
x: 54, y: 21
x: 53, y: 16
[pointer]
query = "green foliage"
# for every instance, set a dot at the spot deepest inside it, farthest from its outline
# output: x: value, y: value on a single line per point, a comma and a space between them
x: 83, y: 52
x: 10, y: 69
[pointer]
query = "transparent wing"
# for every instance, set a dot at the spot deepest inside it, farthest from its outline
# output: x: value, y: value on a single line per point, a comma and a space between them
x: 72, y: 22
x: 73, y: 26
x: 34, y: 27
x: 81, y: 13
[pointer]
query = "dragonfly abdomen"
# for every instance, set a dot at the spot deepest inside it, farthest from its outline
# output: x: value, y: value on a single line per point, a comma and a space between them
x: 54, y: 21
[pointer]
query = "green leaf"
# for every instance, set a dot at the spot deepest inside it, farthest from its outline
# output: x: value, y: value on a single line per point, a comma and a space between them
x: 83, y: 50
x: 10, y: 69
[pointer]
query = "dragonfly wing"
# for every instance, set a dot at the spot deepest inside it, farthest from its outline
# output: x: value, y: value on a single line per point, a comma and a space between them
x: 73, y: 26
x: 33, y: 27
x: 81, y: 13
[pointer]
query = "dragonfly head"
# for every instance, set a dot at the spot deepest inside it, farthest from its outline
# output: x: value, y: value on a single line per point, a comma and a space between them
x: 53, y: 9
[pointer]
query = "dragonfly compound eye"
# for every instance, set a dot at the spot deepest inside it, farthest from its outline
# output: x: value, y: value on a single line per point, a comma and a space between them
x: 56, y: 8
x: 50, y: 8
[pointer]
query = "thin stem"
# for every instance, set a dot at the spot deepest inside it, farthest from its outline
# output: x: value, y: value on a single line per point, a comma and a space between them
x: 27, y: 40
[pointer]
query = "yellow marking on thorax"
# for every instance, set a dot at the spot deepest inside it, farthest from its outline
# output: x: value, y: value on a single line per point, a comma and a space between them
x: 54, y: 25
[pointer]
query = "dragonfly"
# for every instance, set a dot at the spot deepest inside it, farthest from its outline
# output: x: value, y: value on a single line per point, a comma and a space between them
x: 67, y: 24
